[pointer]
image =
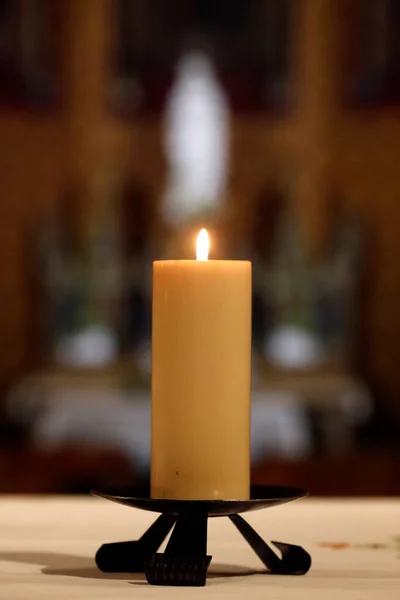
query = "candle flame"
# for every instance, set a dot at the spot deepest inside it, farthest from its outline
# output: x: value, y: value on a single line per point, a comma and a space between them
x: 203, y: 245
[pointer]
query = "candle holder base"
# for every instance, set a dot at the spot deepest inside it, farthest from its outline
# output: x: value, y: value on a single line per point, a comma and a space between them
x: 185, y: 561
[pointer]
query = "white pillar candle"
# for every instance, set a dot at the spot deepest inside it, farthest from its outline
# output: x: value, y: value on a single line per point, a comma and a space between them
x: 201, y: 369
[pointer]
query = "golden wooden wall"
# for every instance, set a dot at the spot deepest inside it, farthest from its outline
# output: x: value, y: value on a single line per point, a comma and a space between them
x: 367, y: 171
x: 31, y: 156
x: 328, y: 146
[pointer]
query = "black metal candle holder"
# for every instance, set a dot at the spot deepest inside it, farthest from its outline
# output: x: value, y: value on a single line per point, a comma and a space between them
x: 185, y: 561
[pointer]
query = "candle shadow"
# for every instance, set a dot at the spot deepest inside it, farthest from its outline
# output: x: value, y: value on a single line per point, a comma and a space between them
x: 67, y: 565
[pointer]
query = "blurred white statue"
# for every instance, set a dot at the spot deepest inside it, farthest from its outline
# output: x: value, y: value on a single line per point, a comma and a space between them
x: 196, y: 140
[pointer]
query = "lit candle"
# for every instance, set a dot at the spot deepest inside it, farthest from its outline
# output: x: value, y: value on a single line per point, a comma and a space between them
x: 200, y: 426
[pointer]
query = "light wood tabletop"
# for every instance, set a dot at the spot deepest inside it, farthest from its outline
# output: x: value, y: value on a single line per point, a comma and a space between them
x: 47, y: 548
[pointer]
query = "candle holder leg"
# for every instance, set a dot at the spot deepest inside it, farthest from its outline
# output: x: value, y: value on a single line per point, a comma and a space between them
x: 129, y: 557
x: 295, y: 560
x: 185, y: 561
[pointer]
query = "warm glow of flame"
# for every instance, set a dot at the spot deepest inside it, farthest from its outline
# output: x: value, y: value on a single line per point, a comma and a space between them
x: 203, y: 245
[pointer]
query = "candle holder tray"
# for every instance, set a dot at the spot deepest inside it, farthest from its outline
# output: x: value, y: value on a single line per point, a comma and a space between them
x: 185, y: 561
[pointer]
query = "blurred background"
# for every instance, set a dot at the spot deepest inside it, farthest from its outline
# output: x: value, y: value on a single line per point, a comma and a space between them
x: 125, y: 127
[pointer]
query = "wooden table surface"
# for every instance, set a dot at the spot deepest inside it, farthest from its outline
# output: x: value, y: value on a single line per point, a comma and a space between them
x: 47, y: 545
